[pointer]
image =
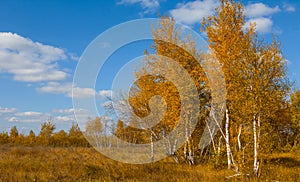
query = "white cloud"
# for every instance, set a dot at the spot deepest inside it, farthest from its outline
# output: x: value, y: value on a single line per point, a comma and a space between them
x: 149, y: 6
x: 6, y: 113
x: 90, y: 92
x: 261, y: 15
x: 64, y: 111
x: 259, y: 10
x: 5, y: 110
x: 193, y: 12
x: 69, y: 111
x: 13, y: 119
x: 26, y: 120
x: 288, y: 7
x: 69, y: 118
x: 29, y: 61
x: 29, y: 114
x: 73, y: 56
x: 57, y: 88
x: 82, y: 93
x: 12, y: 115
x: 64, y: 115
x: 103, y: 94
x: 78, y: 92
x: 263, y: 25
x: 28, y: 117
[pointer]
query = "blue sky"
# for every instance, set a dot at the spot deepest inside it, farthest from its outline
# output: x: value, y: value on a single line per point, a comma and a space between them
x: 41, y: 42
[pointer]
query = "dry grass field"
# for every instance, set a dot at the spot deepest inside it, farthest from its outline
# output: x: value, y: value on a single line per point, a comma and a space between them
x: 19, y: 163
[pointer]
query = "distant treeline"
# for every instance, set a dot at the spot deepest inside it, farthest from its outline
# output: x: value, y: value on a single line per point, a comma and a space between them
x: 46, y: 137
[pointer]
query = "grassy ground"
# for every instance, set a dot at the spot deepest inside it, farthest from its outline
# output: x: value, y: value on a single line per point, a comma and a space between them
x: 85, y: 164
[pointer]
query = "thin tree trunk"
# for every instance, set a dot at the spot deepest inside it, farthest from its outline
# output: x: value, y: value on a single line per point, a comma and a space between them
x: 152, y: 148
x: 219, y: 150
x: 226, y: 137
x: 192, y: 152
x: 186, y: 143
x: 166, y: 142
x: 227, y: 140
x: 255, y: 138
x: 185, y: 151
x: 211, y: 137
x: 175, y: 158
x: 174, y: 146
x: 239, y: 138
x: 258, y: 132
x: 219, y: 146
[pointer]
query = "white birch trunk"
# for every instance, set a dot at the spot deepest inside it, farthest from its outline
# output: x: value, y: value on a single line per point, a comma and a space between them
x: 227, y: 140
x: 230, y: 158
x: 174, y: 146
x: 258, y: 132
x: 152, y: 148
x: 211, y: 137
x: 239, y: 138
x: 186, y: 143
x: 219, y: 145
x: 255, y: 140
x: 185, y: 151
x: 191, y: 153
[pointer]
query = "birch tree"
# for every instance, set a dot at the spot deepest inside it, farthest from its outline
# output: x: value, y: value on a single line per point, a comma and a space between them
x: 229, y: 42
x: 170, y: 43
x: 93, y: 132
x: 295, y: 117
x: 255, y: 74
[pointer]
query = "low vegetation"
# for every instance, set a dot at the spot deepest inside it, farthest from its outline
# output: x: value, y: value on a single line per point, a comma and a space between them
x: 19, y: 163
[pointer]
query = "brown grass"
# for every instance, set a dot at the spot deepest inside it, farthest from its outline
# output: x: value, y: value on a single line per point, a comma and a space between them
x: 85, y: 164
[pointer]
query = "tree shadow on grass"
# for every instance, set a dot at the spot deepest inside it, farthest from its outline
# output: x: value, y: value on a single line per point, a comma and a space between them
x: 285, y: 161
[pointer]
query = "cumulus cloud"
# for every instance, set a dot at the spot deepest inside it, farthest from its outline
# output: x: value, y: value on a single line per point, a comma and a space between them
x: 82, y: 93
x: 29, y: 61
x: 64, y: 111
x: 5, y: 110
x: 90, y: 92
x: 262, y: 25
x: 261, y: 15
x: 6, y: 113
x: 12, y: 115
x: 193, y: 12
x: 27, y: 117
x: 260, y: 10
x: 78, y: 92
x: 29, y: 113
x: 149, y: 6
x: 68, y: 118
x: 69, y: 111
x: 56, y: 88
x: 288, y: 7
x: 13, y: 119
x: 73, y: 56
x: 103, y: 94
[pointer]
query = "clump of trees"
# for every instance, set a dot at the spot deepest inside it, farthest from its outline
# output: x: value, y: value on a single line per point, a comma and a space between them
x: 46, y: 137
x: 262, y: 112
